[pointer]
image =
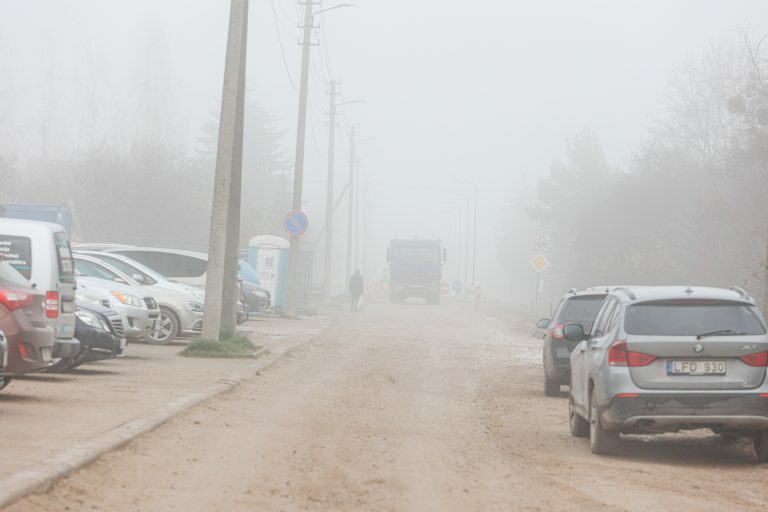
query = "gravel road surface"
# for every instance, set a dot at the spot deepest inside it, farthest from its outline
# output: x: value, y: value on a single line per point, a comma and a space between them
x: 404, y: 408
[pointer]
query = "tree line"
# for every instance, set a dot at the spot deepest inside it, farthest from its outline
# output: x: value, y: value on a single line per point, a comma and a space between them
x: 691, y: 207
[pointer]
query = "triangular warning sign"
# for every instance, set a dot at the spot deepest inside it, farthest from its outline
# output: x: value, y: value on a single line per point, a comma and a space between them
x: 541, y: 245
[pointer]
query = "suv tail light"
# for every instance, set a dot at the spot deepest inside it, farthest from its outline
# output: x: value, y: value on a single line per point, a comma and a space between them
x: 557, y: 332
x: 15, y: 300
x: 52, y: 304
x: 756, y: 359
x: 619, y: 355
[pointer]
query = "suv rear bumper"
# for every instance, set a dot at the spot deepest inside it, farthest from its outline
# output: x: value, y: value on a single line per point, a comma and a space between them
x: 664, y: 413
x: 66, y: 348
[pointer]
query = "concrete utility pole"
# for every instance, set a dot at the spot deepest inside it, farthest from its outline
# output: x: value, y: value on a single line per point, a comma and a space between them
x: 294, y: 251
x: 328, y: 257
x: 221, y: 291
x: 351, y: 196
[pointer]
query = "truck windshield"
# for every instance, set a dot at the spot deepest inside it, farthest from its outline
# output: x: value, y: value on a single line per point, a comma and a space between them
x: 690, y: 318
x: 416, y: 254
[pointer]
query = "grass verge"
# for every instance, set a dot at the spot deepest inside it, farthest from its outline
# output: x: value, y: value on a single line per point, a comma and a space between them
x: 236, y: 347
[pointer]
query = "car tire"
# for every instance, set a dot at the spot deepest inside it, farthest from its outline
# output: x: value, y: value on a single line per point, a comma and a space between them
x: 551, y: 387
x: 4, y: 381
x: 169, y: 328
x: 761, y: 446
x: 62, y: 365
x: 579, y: 426
x: 602, y: 442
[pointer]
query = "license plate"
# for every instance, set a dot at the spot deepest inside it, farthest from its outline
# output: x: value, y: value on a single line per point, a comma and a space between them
x: 46, y: 353
x: 123, y: 343
x: 696, y: 368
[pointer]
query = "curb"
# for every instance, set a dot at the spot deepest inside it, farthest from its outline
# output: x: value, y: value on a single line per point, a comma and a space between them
x: 40, y: 478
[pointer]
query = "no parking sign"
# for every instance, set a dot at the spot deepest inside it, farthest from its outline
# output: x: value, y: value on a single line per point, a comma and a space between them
x: 295, y: 223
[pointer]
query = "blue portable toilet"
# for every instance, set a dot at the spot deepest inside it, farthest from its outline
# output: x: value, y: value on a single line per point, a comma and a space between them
x: 268, y: 254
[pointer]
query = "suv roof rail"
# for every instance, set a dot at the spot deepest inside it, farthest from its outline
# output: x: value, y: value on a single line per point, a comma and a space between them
x: 627, y: 291
x: 741, y: 291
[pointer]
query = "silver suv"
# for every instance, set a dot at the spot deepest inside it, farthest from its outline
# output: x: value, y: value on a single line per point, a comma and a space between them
x: 664, y: 359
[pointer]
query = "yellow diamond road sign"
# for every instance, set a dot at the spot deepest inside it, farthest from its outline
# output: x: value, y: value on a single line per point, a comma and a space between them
x: 539, y: 262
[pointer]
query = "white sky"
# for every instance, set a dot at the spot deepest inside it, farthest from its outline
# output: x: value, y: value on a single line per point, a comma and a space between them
x: 484, y: 90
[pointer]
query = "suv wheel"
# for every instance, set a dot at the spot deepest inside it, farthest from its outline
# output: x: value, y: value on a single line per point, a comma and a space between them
x: 761, y: 446
x: 551, y: 387
x: 579, y: 426
x: 167, y: 330
x: 601, y: 441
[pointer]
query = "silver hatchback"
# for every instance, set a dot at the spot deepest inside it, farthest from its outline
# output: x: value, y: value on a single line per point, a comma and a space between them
x: 664, y: 359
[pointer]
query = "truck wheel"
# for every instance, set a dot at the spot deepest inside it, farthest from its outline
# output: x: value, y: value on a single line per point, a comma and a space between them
x: 551, y: 387
x: 761, y: 446
x: 579, y: 426
x: 168, y: 329
x: 601, y: 441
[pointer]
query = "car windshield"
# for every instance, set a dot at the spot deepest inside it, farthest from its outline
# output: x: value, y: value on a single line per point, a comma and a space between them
x: 91, y: 269
x: 248, y: 273
x: 581, y: 309
x: 692, y: 318
x: 128, y: 268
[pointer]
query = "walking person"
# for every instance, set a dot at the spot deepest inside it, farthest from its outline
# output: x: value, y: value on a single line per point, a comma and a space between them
x: 356, y: 290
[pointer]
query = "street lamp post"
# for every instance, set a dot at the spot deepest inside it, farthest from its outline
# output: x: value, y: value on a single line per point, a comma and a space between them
x: 474, y: 231
x: 466, y: 232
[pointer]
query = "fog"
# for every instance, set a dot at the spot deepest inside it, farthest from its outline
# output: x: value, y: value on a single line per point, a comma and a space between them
x: 121, y: 97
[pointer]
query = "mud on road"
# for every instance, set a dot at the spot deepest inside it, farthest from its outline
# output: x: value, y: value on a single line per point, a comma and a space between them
x: 404, y: 407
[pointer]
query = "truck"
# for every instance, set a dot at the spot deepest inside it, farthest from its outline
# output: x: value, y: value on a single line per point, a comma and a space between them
x: 55, y: 214
x: 415, y: 269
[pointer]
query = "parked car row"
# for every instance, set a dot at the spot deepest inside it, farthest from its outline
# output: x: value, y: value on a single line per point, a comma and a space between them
x: 653, y: 359
x: 61, y: 307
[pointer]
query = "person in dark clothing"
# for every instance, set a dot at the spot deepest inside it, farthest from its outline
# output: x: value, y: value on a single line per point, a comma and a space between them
x: 356, y: 290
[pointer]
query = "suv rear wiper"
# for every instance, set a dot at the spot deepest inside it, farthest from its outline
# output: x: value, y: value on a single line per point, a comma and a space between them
x: 721, y: 332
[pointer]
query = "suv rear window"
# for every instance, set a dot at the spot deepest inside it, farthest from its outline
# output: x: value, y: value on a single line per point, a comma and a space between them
x: 581, y: 309
x: 17, y: 250
x: 690, y: 317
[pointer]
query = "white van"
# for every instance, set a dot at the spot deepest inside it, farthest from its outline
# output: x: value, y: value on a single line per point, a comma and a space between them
x: 40, y: 251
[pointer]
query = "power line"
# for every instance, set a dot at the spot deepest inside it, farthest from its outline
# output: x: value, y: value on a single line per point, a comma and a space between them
x: 282, y: 50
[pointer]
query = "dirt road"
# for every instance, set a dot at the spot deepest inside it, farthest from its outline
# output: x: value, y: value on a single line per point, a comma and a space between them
x: 404, y: 408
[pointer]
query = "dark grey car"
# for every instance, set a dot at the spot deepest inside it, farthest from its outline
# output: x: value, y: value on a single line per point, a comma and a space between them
x: 580, y: 307
x: 664, y: 359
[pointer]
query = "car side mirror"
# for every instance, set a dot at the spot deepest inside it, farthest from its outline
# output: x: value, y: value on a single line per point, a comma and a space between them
x: 543, y: 323
x: 574, y: 332
x: 138, y: 278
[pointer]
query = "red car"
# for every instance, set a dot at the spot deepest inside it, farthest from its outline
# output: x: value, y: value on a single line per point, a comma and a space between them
x: 22, y: 319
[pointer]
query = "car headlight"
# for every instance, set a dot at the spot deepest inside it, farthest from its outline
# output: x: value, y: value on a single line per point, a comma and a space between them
x: 197, y: 307
x: 90, y: 299
x: 260, y: 294
x: 91, y: 319
x: 128, y: 299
